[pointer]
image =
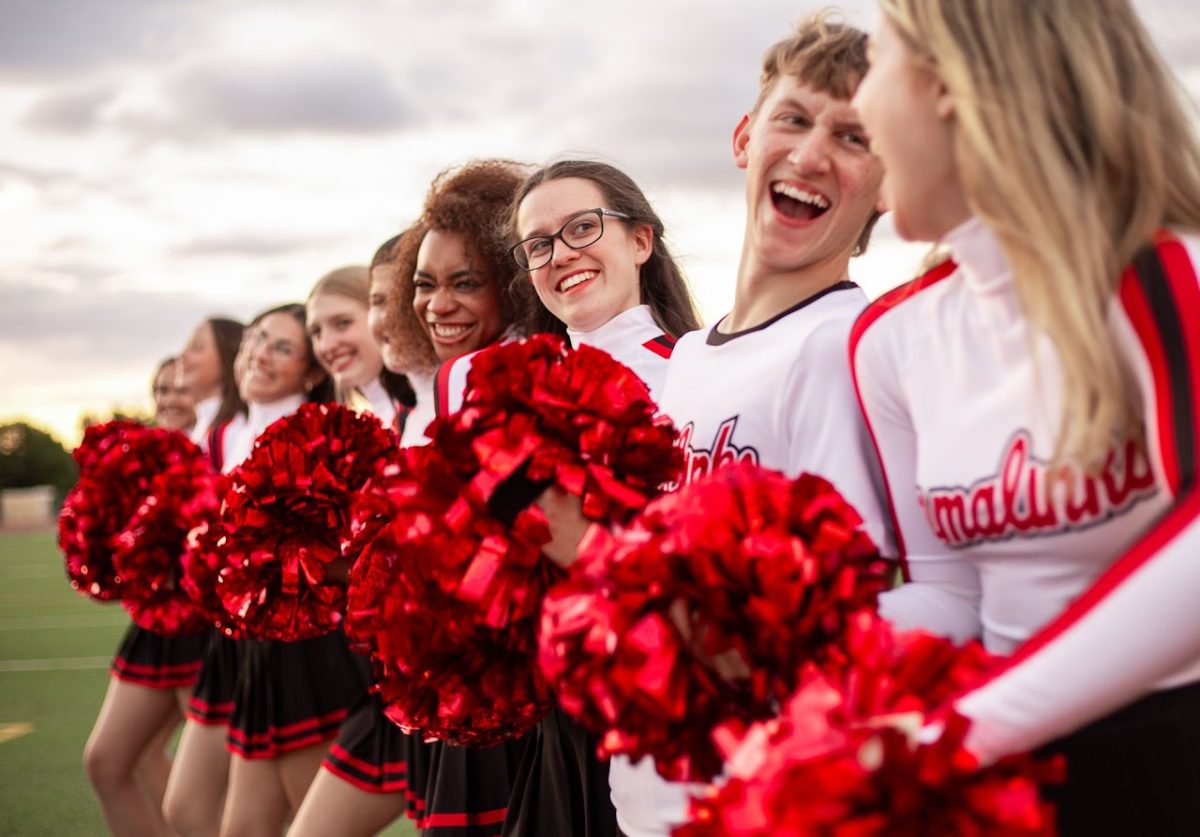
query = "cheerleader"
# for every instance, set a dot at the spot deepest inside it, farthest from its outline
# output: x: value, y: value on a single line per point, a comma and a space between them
x: 601, y: 274
x: 152, y: 678
x: 460, y: 293
x: 1033, y: 397
x: 206, y: 370
x: 290, y: 697
x: 337, y: 314
x: 365, y: 782
x: 196, y: 789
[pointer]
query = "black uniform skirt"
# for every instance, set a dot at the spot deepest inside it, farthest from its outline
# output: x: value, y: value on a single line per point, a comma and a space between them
x: 561, y: 787
x: 1134, y: 772
x: 212, y: 700
x: 292, y: 695
x: 371, y: 752
x: 145, y: 658
x: 465, y: 790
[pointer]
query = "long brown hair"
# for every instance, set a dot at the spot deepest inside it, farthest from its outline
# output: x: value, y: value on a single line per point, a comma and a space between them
x: 227, y: 334
x: 663, y: 287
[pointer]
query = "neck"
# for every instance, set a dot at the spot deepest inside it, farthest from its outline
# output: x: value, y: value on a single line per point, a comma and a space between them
x: 763, y: 292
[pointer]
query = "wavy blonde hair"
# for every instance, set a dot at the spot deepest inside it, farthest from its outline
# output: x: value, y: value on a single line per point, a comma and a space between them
x: 1074, y: 145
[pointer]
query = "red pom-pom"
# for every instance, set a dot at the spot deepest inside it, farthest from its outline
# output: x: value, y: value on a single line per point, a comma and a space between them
x: 150, y: 552
x: 203, y: 556
x: 449, y: 593
x: 117, y: 461
x: 854, y: 753
x: 445, y: 603
x: 544, y: 412
x: 702, y: 612
x: 286, y: 514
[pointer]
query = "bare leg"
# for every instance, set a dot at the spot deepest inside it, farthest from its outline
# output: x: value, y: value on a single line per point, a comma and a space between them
x: 257, y: 804
x: 153, y: 768
x: 334, y: 806
x: 196, y: 791
x: 129, y: 720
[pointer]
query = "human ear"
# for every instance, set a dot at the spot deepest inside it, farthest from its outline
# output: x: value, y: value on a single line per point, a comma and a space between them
x: 741, y: 138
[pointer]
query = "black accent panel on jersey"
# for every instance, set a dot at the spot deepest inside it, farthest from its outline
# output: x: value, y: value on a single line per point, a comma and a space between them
x: 717, y: 338
x: 216, y: 446
x: 1153, y: 278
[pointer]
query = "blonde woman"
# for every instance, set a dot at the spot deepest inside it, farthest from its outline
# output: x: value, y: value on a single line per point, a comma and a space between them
x: 1035, y: 399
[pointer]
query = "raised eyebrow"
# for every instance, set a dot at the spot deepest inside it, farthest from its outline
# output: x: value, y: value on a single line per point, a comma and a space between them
x: 538, y: 232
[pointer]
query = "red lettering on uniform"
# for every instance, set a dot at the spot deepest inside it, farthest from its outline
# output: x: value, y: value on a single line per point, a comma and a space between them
x: 1029, y: 497
x: 700, y: 462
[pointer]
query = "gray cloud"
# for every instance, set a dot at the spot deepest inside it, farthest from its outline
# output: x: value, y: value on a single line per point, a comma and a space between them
x: 71, y: 110
x: 246, y: 244
x: 55, y: 38
x: 322, y: 95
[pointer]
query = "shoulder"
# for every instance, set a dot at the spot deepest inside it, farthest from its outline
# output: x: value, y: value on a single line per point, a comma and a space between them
x: 899, y: 305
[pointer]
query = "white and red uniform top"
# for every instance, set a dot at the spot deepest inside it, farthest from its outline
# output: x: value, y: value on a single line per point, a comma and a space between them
x: 379, y: 402
x: 450, y: 382
x: 1089, y: 581
x: 213, y: 439
x: 418, y: 418
x: 779, y: 395
x: 238, y: 446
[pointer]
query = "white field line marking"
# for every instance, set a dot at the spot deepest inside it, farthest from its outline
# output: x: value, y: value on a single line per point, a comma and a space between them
x: 39, y: 623
x: 10, y: 731
x: 56, y: 664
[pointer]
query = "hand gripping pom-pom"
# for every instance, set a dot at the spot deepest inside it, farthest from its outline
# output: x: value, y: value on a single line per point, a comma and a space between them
x: 703, y: 610
x: 286, y: 514
x: 855, y: 752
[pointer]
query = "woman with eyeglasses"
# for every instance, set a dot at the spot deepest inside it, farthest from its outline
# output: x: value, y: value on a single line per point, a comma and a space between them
x: 152, y: 677
x: 290, y: 697
x: 600, y: 273
x: 1034, y: 397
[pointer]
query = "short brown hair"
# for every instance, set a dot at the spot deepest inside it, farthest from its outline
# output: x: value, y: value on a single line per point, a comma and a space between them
x: 827, y: 55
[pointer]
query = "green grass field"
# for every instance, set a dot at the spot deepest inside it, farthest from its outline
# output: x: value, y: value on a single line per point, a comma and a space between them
x: 55, y: 647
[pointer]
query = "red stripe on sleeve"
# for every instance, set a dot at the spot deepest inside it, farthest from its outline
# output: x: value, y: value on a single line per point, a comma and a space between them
x: 442, y: 389
x: 661, y: 345
x: 865, y: 320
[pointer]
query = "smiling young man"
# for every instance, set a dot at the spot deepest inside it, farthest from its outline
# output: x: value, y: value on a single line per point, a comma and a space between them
x: 770, y: 382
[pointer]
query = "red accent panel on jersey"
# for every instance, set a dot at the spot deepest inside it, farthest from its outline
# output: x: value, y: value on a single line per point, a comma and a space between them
x: 662, y: 345
x: 1184, y: 293
x: 216, y: 445
x: 865, y: 320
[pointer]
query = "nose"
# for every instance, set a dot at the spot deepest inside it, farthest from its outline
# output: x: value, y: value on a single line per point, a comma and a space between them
x: 811, y: 153
x: 562, y: 254
x: 442, y: 301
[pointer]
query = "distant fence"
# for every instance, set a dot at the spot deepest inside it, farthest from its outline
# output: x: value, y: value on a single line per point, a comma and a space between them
x: 27, y: 508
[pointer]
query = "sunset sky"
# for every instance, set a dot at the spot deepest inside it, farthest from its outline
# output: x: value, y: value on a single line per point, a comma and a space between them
x: 163, y: 160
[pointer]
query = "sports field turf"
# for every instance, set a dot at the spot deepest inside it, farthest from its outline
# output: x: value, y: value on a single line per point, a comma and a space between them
x: 55, y: 647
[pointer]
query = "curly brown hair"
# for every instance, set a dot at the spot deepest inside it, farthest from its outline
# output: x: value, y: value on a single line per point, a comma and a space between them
x: 472, y: 200
x: 398, y: 256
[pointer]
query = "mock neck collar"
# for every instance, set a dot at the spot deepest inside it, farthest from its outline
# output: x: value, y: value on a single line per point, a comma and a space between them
x: 977, y: 252
x: 261, y: 416
x: 630, y: 323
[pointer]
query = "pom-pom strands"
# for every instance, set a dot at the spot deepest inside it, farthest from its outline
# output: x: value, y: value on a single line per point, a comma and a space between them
x: 449, y: 595
x: 117, y: 462
x: 151, y: 551
x: 447, y: 604
x: 287, y: 512
x: 855, y: 753
x: 702, y: 612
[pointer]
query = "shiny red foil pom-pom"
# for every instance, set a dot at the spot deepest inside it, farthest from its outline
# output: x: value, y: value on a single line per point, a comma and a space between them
x: 548, y: 413
x: 854, y: 752
x: 151, y: 550
x: 286, y: 514
x: 444, y: 602
x: 117, y: 461
x: 703, y: 610
x: 449, y: 593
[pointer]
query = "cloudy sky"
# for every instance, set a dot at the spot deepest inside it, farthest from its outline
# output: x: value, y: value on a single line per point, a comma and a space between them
x: 163, y: 160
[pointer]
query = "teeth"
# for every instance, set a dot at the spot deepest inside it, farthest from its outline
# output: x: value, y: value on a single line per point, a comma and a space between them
x: 576, y: 279
x: 449, y: 331
x: 797, y: 194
